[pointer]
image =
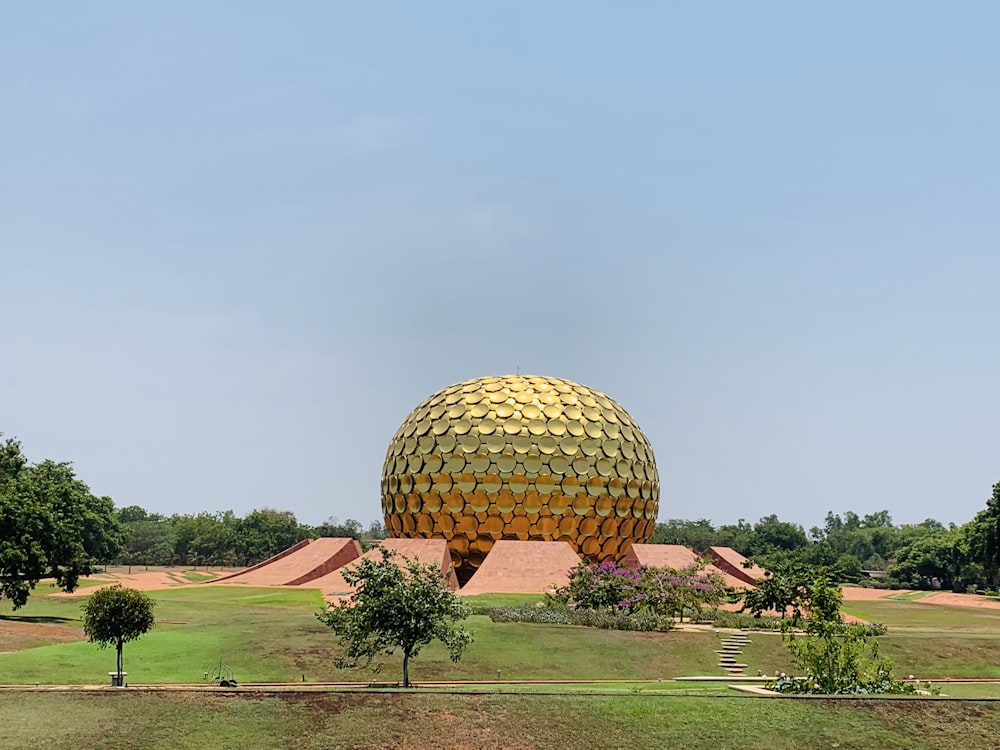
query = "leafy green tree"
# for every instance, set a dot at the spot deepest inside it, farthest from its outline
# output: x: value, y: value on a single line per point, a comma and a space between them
x: 837, y: 658
x: 114, y: 615
x: 148, y: 542
x: 50, y: 525
x: 264, y: 533
x: 985, y: 535
x: 397, y: 604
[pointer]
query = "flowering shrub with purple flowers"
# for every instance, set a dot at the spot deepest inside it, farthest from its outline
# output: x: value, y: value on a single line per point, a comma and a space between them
x: 659, y: 592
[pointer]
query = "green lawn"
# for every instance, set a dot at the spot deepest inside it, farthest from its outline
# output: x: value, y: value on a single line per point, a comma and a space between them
x: 150, y: 721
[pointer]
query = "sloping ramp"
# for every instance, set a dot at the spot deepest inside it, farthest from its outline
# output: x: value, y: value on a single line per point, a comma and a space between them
x: 309, y: 559
x: 426, y: 551
x: 732, y: 562
x: 516, y: 567
x: 675, y: 556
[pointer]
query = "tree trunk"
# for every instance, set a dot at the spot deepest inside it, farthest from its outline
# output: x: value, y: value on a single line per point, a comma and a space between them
x: 120, y: 644
x: 406, y: 669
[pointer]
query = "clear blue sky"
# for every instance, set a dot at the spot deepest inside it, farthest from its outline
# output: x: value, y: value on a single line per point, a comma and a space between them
x: 240, y: 241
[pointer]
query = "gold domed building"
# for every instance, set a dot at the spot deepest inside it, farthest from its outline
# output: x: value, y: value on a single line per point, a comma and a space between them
x: 520, y: 457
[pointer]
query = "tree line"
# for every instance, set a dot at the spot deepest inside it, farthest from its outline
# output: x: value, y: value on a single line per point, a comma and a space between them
x: 853, y: 547
x: 222, y: 538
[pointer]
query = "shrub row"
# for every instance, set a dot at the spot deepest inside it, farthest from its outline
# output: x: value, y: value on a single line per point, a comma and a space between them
x: 603, y: 619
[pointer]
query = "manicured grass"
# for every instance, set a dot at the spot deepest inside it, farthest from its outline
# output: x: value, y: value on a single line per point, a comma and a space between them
x: 130, y: 720
x: 272, y: 635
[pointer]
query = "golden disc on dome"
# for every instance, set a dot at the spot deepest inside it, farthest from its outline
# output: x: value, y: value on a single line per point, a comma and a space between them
x: 506, y: 462
x: 504, y: 411
x: 575, y: 428
x: 532, y: 464
x: 480, y: 410
x: 524, y: 397
x: 393, y: 484
x: 469, y: 443
x: 440, y: 427
x: 633, y: 488
x: 492, y: 384
x: 480, y: 463
x: 628, y: 450
x: 623, y: 507
x: 627, y: 434
x: 626, y: 528
x: 610, y: 448
x: 433, y: 463
x: 518, y: 484
x: 467, y: 525
x: 569, y: 446
x: 612, y: 430
x: 424, y: 525
x: 447, y: 443
x: 611, y: 544
x: 432, y: 502
x: 603, y: 506
x: 547, y: 444
x: 498, y: 397
x: 400, y: 502
x: 557, y: 427
x: 521, y: 443
x: 552, y: 409
x: 478, y: 501
x: 505, y: 502
x: 581, y: 465
x: 462, y: 426
x: 567, y: 525
x: 466, y: 482
x: 409, y: 524
x: 495, y: 443
x: 593, y: 430
x: 544, y: 484
x: 547, y: 525
x: 573, y: 412
x: 493, y: 525
x: 558, y: 504
x: 595, y: 488
x: 624, y: 468
x: 490, y: 484
x: 590, y: 546
x: 590, y: 447
x: 570, y: 486
x: 460, y: 544
x: 646, y: 490
x: 512, y: 426
x: 414, y: 463
x: 604, y: 467
x: 409, y: 445
x: 437, y: 412
x: 519, y: 525
x: 591, y: 413
x: 487, y: 426
x: 406, y: 484
x: 589, y: 526
x: 531, y: 411
x: 532, y: 503
x: 422, y: 483
x: 426, y: 444
x: 559, y: 464
x: 581, y: 505
x: 537, y: 427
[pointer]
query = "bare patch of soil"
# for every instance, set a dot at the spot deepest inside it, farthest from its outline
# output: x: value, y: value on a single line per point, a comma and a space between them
x: 17, y: 635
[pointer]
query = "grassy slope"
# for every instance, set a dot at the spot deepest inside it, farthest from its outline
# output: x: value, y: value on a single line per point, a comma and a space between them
x: 136, y: 720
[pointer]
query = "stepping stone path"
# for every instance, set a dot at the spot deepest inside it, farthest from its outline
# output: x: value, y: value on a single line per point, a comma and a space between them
x: 732, y: 647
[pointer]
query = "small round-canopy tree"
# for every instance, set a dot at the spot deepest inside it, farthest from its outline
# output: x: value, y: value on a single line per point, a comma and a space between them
x: 116, y: 615
x: 397, y: 603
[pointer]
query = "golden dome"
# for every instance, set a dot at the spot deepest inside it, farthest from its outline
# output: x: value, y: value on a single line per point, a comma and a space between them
x: 520, y: 457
